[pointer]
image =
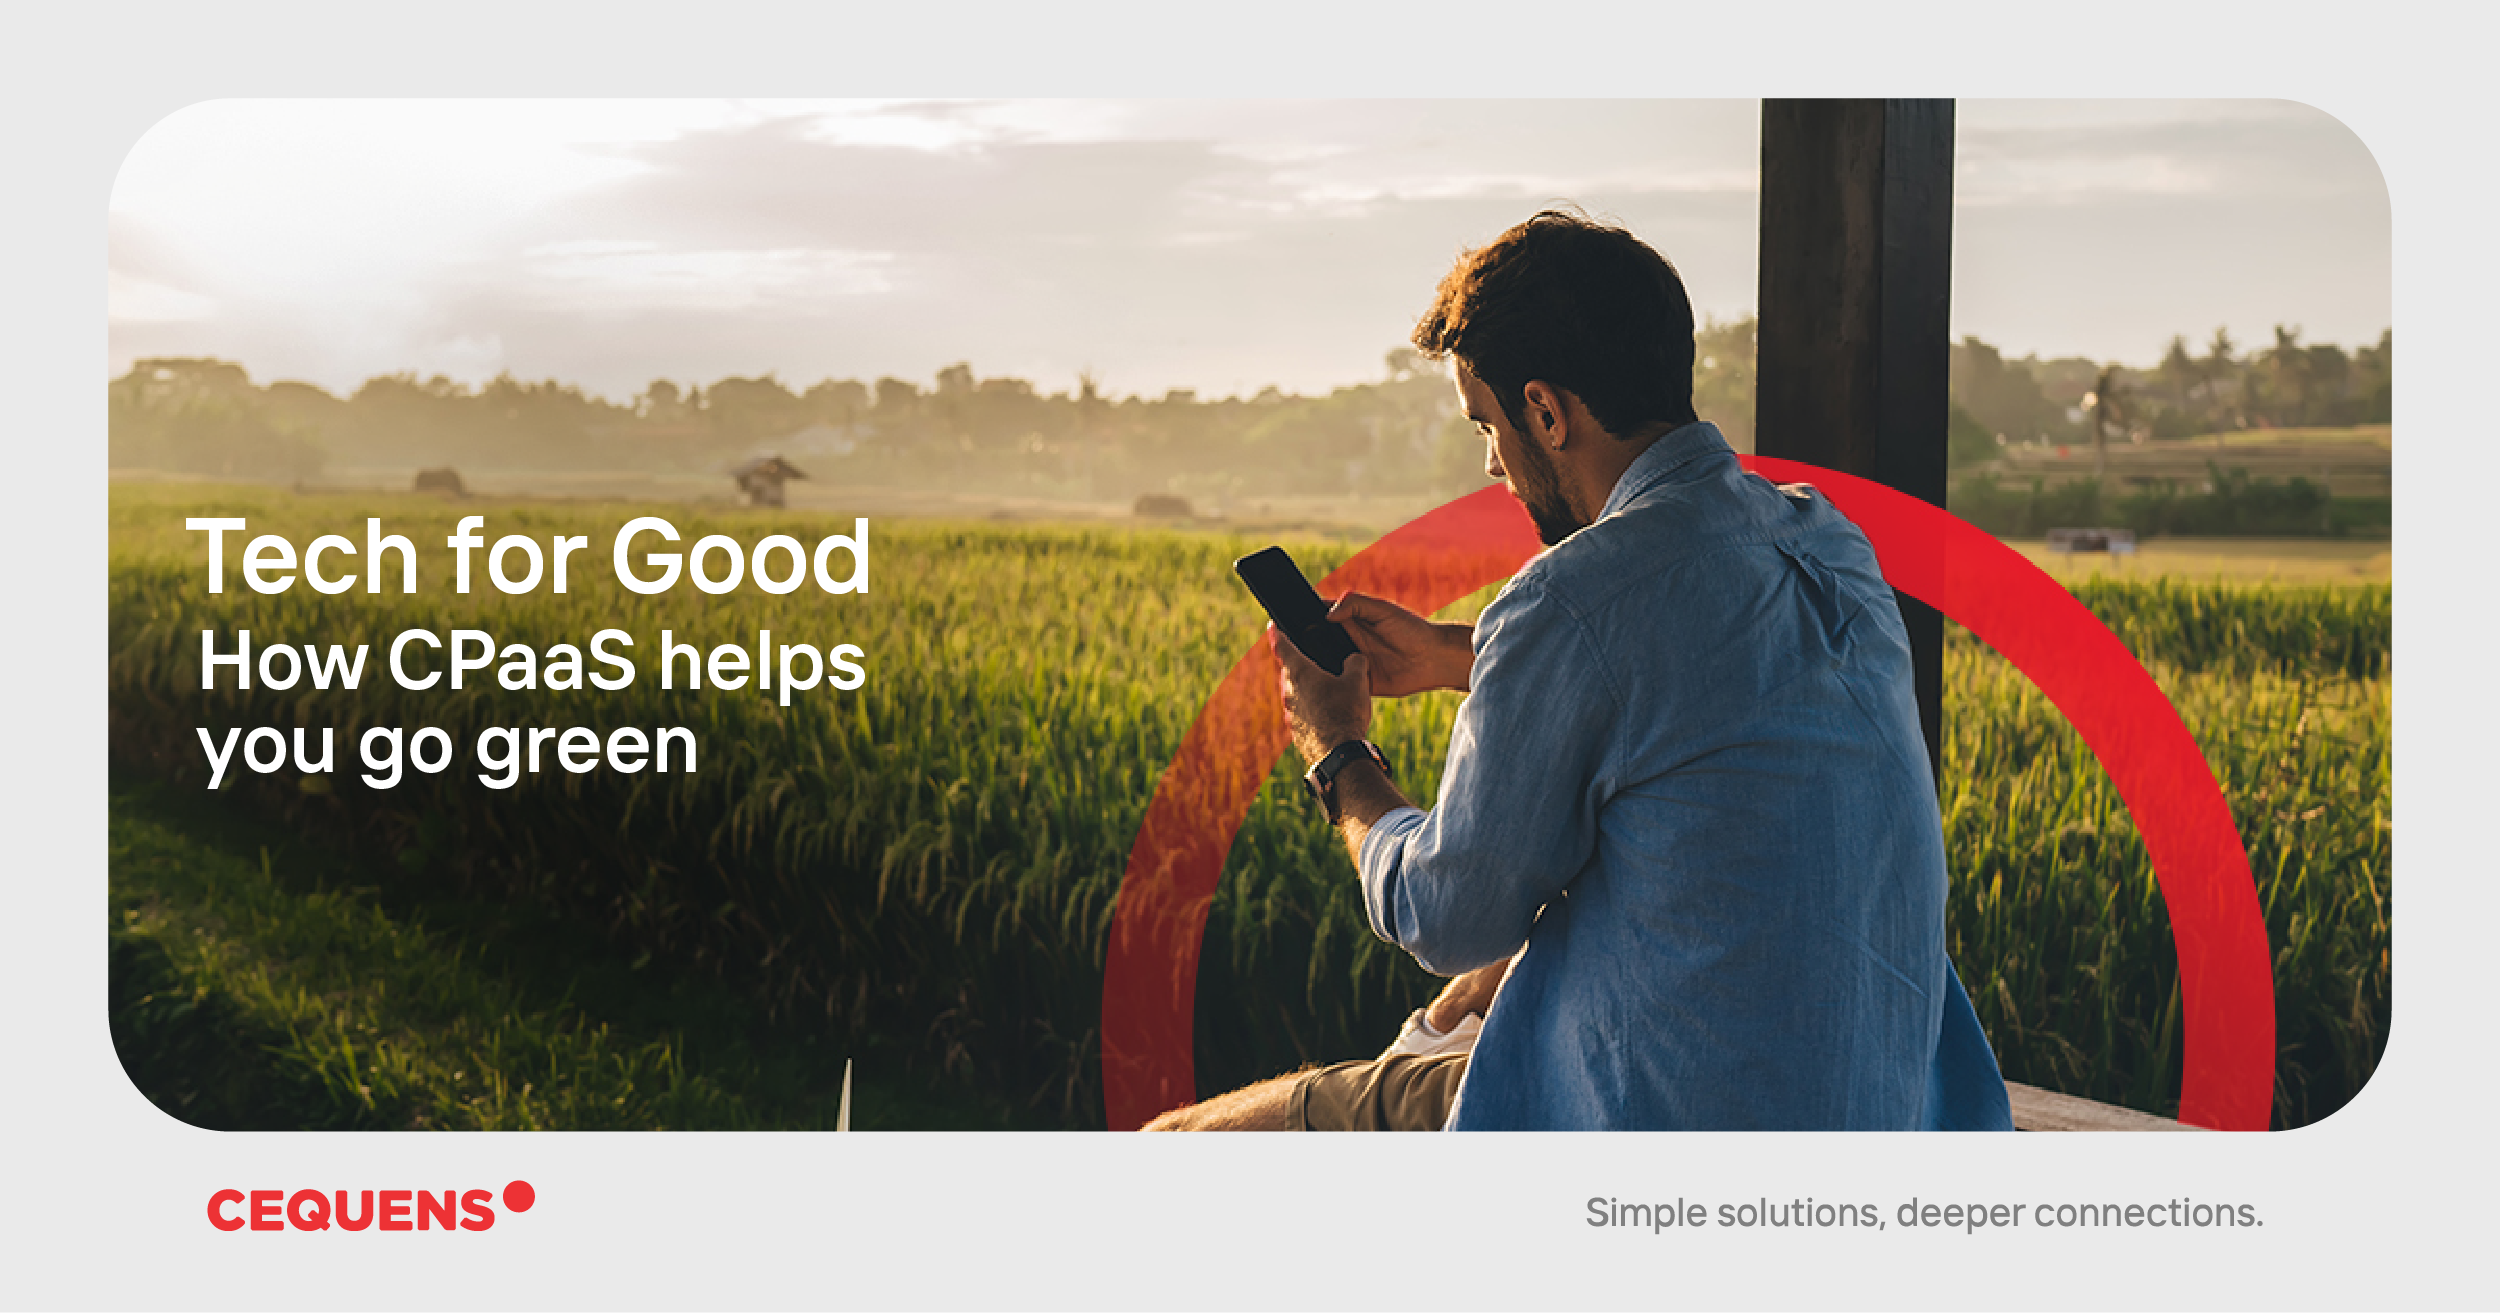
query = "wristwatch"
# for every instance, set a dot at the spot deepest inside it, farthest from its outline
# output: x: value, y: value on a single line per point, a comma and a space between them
x: 1321, y: 779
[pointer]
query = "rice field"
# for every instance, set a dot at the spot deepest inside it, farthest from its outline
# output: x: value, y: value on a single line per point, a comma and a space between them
x: 2264, y: 561
x: 929, y: 863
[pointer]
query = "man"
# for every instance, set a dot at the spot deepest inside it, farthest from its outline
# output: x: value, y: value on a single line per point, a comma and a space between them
x: 1688, y: 777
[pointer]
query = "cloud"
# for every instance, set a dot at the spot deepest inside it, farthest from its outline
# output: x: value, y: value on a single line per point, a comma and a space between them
x: 1179, y: 260
x: 1216, y: 245
x: 2292, y: 155
x: 2101, y: 230
x: 597, y: 277
x: 135, y: 300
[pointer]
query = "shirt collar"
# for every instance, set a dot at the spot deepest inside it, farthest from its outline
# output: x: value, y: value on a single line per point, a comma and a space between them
x: 1672, y: 451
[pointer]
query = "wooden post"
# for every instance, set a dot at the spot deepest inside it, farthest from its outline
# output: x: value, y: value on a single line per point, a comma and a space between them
x: 1855, y: 297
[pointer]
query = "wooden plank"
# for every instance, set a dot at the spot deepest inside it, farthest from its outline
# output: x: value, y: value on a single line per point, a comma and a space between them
x: 1854, y: 300
x: 2036, y: 1109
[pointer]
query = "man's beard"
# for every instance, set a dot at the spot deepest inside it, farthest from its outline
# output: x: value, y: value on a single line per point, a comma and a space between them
x: 1538, y: 486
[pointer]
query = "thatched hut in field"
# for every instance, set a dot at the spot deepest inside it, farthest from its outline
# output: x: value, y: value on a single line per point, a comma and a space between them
x: 445, y: 481
x: 760, y: 479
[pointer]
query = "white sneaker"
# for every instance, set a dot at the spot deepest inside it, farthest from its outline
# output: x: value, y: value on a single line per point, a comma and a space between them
x: 1418, y: 1038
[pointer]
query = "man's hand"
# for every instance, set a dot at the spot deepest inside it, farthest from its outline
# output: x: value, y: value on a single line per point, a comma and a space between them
x: 1470, y: 993
x: 1323, y: 710
x: 1407, y: 653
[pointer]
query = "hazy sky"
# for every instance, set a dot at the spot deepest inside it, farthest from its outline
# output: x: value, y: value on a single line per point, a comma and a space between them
x: 1216, y: 245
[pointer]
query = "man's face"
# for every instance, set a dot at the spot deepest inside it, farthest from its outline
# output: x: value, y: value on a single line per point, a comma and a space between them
x: 1518, y: 460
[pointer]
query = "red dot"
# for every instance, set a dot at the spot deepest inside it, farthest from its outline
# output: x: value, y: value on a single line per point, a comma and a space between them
x: 518, y: 1196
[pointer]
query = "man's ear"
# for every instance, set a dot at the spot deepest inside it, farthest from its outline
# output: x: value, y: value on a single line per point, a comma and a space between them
x: 1549, y: 420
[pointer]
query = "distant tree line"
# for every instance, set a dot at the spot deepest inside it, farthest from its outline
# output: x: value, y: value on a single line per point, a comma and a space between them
x: 206, y: 417
x: 2290, y: 384
x: 1399, y: 434
x: 1998, y: 403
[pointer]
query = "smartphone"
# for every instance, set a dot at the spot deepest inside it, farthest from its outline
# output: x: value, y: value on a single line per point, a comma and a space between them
x: 1297, y: 610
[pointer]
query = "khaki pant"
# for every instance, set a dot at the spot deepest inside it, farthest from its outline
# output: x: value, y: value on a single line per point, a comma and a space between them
x: 1400, y: 1093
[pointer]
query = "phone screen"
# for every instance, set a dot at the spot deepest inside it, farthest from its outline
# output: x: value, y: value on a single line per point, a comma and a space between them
x: 1295, y: 607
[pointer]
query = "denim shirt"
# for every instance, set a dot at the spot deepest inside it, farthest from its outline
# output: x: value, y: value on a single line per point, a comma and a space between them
x: 1690, y: 778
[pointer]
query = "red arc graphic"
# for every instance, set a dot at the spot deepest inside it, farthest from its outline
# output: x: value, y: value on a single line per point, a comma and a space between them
x: 2225, y: 980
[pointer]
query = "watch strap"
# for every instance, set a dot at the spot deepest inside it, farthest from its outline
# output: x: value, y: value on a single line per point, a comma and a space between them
x: 1321, y: 779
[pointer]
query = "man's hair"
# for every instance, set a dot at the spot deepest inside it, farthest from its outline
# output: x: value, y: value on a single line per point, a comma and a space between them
x: 1583, y: 305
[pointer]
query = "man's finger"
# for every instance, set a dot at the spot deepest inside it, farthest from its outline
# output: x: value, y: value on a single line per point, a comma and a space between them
x: 1358, y: 606
x: 1365, y: 636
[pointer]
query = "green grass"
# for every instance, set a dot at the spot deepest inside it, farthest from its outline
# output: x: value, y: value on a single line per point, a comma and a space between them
x: 257, y: 985
x: 2058, y: 925
x: 930, y: 862
x: 2333, y: 633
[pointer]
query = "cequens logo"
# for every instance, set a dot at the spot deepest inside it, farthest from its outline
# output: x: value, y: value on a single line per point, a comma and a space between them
x: 388, y: 1210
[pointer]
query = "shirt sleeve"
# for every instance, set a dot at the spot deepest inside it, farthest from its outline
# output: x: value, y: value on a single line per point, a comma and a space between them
x: 1532, y: 758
